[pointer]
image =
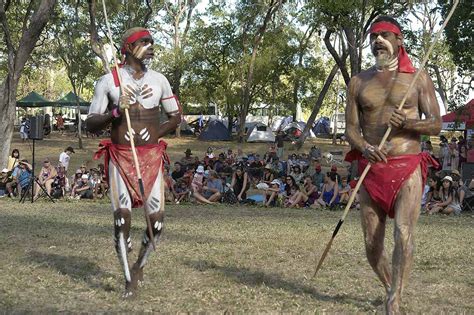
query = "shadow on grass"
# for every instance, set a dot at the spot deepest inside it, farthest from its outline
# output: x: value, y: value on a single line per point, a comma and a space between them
x: 78, y: 268
x: 257, y: 278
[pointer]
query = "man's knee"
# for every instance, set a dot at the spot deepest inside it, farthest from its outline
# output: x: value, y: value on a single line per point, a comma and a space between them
x: 402, y: 232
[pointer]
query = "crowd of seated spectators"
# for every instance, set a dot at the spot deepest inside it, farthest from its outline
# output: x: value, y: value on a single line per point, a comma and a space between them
x: 447, y: 193
x: 229, y: 177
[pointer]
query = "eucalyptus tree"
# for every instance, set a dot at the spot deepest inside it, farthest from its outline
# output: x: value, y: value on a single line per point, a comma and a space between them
x: 21, y: 25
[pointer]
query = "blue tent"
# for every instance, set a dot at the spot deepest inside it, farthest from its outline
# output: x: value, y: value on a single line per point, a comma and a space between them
x: 322, y: 126
x: 215, y: 130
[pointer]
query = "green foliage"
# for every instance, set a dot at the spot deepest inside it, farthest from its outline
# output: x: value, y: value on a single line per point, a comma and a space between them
x: 459, y: 33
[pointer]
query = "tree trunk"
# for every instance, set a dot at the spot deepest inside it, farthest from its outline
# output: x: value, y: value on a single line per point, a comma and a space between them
x: 96, y: 45
x: 317, y: 106
x: 273, y: 8
x: 16, y: 60
x: 79, y: 122
x: 441, y: 87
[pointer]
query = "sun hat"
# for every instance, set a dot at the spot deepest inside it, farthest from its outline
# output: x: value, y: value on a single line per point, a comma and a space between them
x: 5, y: 170
x: 275, y: 182
x: 85, y: 176
x: 200, y: 169
x: 449, y: 178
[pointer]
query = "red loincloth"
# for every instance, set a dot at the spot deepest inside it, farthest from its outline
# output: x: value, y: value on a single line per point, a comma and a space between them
x: 384, y: 180
x: 150, y: 159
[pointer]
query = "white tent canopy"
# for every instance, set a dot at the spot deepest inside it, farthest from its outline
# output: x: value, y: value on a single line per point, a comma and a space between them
x: 261, y: 133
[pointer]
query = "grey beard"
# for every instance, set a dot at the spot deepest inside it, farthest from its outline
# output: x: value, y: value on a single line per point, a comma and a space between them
x: 385, y: 61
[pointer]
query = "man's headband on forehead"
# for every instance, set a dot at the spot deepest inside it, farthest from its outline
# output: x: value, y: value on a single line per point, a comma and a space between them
x: 133, y: 38
x: 384, y: 26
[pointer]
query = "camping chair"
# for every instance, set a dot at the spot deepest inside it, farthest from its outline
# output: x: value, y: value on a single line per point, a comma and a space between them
x: 468, y: 204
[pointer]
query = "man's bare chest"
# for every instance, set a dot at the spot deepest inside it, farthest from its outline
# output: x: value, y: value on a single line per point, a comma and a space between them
x: 379, y: 95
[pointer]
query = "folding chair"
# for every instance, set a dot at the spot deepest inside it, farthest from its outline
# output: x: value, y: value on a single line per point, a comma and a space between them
x: 468, y: 204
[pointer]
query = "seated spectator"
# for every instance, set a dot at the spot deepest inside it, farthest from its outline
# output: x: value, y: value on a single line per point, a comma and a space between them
x: 198, y: 186
x: 102, y: 185
x: 271, y: 193
x: 178, y: 171
x: 329, y: 194
x: 230, y: 157
x: 334, y: 171
x: 45, y: 178
x: 189, y: 162
x: 315, y: 153
x: 278, y: 167
x: 292, y: 161
x: 21, y: 178
x: 83, y: 190
x: 13, y: 160
x: 213, y: 188
x: 267, y: 176
x: 297, y: 174
x: 432, y: 196
x: 464, y: 191
x: 3, y: 182
x: 182, y: 190
x: 220, y: 163
x: 345, y: 191
x: 318, y: 176
x: 241, y: 156
x: 76, y: 179
x: 210, y: 153
x: 240, y: 183
x: 291, y: 189
x: 449, y: 199
x: 169, y: 185
x: 59, y: 183
x: 307, y: 195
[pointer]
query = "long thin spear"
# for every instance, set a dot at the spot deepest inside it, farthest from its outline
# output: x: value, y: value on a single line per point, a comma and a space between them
x: 387, y: 133
x: 129, y: 127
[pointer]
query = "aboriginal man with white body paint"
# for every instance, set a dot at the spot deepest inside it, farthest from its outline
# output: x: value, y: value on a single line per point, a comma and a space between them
x: 144, y: 92
x: 394, y: 185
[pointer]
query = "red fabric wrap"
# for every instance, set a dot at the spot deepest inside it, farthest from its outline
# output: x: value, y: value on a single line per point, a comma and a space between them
x: 133, y: 38
x: 151, y: 158
x: 384, y: 180
x: 404, y: 62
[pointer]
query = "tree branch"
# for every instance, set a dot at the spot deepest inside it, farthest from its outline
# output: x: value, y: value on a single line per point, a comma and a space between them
x: 341, y: 63
x: 148, y: 13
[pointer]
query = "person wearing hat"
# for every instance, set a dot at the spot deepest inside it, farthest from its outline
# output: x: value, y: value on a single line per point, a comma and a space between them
x: 270, y: 195
x: 334, y: 171
x: 188, y: 161
x: 21, y: 177
x: 449, y: 198
x: 65, y: 156
x: 318, y: 176
x: 268, y: 175
x: 83, y: 189
x: 45, y: 178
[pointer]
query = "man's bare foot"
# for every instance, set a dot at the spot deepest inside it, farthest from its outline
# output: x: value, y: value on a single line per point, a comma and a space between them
x: 129, y: 290
x: 392, y: 307
x: 137, y: 276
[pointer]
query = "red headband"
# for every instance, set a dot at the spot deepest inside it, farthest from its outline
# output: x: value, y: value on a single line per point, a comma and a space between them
x: 133, y: 38
x: 384, y: 26
x: 404, y: 62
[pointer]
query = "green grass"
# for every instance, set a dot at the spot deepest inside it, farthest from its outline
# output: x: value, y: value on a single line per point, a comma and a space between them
x: 60, y: 257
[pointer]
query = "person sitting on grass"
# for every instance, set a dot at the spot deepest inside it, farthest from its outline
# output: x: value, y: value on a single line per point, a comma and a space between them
x: 212, y: 190
x: 83, y: 190
x: 307, y: 195
x: 46, y: 178
x: 270, y: 195
x: 291, y: 188
x: 297, y: 174
x: 240, y: 183
x: 329, y: 194
x: 182, y: 190
x: 449, y: 199
x: 170, y: 194
x: 344, y: 191
x: 3, y: 182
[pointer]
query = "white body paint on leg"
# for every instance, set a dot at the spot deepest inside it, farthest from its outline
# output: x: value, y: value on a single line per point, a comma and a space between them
x: 156, y: 199
x: 118, y: 191
x: 123, y: 257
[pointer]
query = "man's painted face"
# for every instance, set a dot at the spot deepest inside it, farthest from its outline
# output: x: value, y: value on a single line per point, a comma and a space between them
x: 142, y: 49
x: 384, y: 43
